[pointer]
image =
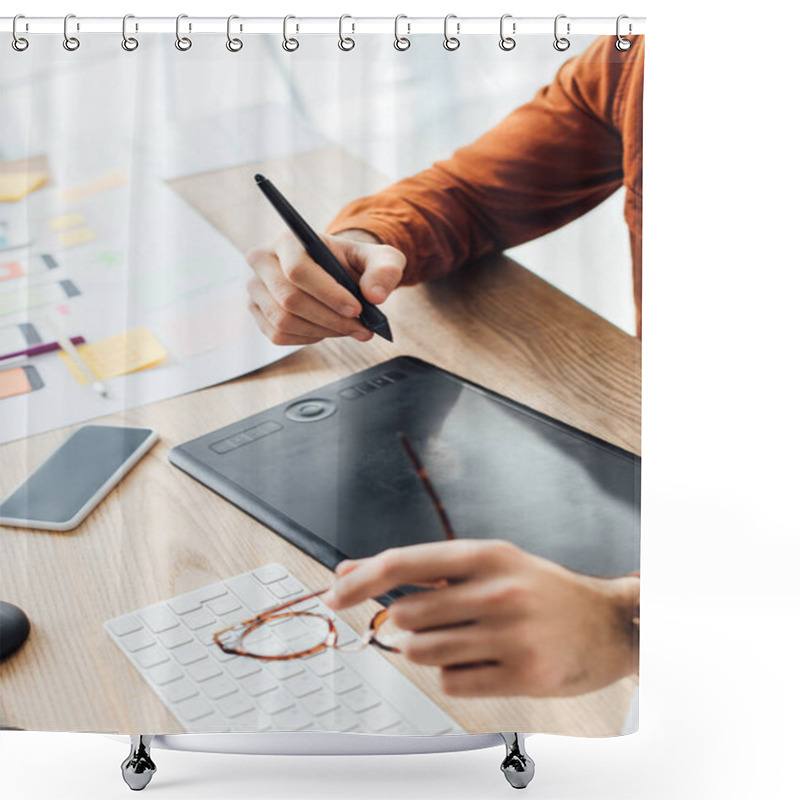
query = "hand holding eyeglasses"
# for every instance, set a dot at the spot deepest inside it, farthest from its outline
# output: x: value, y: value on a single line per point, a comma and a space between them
x: 503, y: 622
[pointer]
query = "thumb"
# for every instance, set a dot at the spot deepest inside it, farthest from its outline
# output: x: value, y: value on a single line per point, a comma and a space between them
x: 383, y: 269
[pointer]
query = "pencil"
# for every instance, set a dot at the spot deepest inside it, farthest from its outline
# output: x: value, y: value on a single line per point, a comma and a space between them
x: 69, y: 348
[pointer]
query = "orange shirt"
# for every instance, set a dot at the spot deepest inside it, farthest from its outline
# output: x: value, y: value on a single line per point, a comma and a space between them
x: 548, y: 162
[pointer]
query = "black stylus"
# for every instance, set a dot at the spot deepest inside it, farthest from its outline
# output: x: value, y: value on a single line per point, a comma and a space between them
x: 371, y: 316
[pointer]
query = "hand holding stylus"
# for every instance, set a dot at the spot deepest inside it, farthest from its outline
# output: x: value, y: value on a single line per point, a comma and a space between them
x: 502, y: 622
x: 295, y: 302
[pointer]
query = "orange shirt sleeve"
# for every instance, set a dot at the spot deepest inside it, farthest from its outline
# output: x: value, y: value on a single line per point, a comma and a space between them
x: 548, y: 162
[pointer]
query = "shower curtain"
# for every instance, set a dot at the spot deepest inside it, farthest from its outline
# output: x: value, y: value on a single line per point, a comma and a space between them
x: 341, y: 339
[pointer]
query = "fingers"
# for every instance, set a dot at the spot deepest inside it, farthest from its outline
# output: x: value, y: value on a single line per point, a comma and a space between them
x: 454, y: 605
x: 483, y: 681
x: 415, y: 564
x: 470, y: 644
x: 381, y: 266
x: 305, y: 274
x: 289, y: 315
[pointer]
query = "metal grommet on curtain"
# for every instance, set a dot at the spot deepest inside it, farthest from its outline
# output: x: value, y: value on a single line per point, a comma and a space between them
x: 234, y: 45
x: 18, y: 42
x: 289, y: 44
x: 129, y: 43
x: 622, y: 44
x: 507, y: 42
x: 561, y: 43
x: 346, y: 43
x: 401, y: 42
x: 182, y: 42
x: 71, y: 43
x: 451, y: 42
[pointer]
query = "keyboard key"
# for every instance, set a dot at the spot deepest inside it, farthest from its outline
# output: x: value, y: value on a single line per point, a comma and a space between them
x: 237, y: 705
x: 291, y: 719
x: 122, y: 626
x: 242, y: 667
x: 203, y: 670
x: 137, y: 640
x: 303, y: 684
x: 165, y: 673
x: 188, y: 653
x: 380, y: 717
x: 175, y: 637
x: 270, y: 573
x: 340, y: 719
x: 345, y: 680
x: 194, y: 709
x: 219, y: 687
x: 286, y: 588
x: 200, y: 618
x: 325, y: 663
x: 321, y: 702
x: 158, y: 618
x: 179, y: 690
x: 252, y: 593
x: 285, y: 669
x: 224, y: 605
x: 360, y: 699
x: 258, y: 683
x: 151, y: 656
x: 272, y: 702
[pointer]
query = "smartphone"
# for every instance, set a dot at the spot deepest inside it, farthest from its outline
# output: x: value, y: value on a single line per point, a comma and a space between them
x: 76, y: 477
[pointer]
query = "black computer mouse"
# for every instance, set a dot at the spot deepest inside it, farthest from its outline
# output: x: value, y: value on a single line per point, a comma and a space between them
x: 14, y: 629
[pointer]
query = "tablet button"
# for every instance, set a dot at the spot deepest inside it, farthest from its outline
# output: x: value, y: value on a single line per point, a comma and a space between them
x: 311, y: 410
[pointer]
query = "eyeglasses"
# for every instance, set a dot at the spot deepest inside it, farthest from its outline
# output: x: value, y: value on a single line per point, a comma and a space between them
x: 280, y: 635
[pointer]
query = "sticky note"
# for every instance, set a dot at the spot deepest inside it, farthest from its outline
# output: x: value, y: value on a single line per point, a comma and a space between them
x: 100, y: 183
x: 13, y: 381
x: 67, y: 221
x: 78, y: 236
x: 11, y: 269
x: 127, y: 352
x: 16, y: 185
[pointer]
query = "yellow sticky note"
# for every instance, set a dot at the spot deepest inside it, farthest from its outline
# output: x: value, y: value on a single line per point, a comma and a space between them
x: 100, y: 183
x: 67, y: 221
x: 78, y: 236
x: 16, y: 185
x: 127, y: 352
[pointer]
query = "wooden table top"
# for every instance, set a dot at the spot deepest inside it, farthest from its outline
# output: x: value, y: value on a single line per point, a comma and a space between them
x: 160, y: 533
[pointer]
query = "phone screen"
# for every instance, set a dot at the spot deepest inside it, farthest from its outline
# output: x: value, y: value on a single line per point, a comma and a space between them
x: 72, y: 476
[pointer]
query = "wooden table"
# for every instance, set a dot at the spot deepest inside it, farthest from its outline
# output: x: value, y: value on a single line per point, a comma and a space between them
x: 159, y: 533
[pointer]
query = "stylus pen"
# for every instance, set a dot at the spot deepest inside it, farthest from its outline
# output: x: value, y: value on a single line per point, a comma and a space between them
x: 371, y: 317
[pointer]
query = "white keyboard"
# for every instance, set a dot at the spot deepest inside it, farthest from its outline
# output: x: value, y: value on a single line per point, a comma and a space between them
x: 206, y: 689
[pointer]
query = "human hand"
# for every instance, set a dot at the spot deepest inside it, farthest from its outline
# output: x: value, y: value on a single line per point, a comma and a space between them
x: 501, y: 621
x: 294, y: 301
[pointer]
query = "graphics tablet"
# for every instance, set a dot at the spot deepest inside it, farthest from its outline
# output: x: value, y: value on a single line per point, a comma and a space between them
x: 327, y: 471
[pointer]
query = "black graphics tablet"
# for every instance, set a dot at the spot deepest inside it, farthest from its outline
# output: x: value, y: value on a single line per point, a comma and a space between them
x: 328, y: 472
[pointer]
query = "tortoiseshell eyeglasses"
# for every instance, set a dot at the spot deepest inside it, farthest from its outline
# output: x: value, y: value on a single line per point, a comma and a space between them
x: 313, y: 630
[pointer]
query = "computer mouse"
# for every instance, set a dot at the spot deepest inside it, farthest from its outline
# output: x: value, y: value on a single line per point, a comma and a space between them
x: 14, y: 629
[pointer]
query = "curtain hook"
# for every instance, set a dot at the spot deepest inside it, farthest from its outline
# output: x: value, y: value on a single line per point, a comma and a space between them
x: 234, y: 45
x: 18, y: 42
x: 623, y: 44
x: 289, y: 44
x: 401, y: 42
x: 182, y: 42
x: 451, y: 42
x: 346, y: 42
x: 71, y: 43
x: 129, y: 43
x: 507, y: 42
x: 561, y: 43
